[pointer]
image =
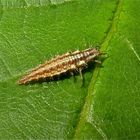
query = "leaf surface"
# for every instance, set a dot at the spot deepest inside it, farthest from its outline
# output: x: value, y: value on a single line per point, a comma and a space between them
x: 107, y: 106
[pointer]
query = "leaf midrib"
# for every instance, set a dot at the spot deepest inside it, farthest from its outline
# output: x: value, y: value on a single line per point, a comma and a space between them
x: 85, y: 111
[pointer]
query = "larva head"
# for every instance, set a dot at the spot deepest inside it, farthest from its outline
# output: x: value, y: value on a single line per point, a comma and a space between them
x: 91, y: 54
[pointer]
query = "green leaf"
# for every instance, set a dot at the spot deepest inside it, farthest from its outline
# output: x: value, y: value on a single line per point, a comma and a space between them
x: 107, y: 106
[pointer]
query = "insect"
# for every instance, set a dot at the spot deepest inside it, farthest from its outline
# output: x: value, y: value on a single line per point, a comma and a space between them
x: 69, y: 62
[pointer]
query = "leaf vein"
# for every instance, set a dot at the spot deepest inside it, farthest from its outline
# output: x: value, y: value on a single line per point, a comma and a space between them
x: 132, y: 48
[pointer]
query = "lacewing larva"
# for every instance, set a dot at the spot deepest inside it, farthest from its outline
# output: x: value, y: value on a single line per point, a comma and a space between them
x: 68, y: 62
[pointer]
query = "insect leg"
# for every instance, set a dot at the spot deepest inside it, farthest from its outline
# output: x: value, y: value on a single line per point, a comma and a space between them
x: 74, y: 79
x: 82, y: 78
x: 97, y: 61
x: 80, y: 71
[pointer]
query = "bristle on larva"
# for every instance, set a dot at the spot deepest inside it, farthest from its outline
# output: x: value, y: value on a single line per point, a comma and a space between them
x: 68, y: 62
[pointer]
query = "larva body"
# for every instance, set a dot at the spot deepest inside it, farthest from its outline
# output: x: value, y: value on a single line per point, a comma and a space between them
x: 68, y: 62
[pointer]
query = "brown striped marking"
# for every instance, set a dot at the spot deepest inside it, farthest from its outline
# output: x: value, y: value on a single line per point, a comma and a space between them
x: 70, y: 61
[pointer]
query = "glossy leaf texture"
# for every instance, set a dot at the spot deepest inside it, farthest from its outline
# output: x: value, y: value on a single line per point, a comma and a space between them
x: 107, y: 105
